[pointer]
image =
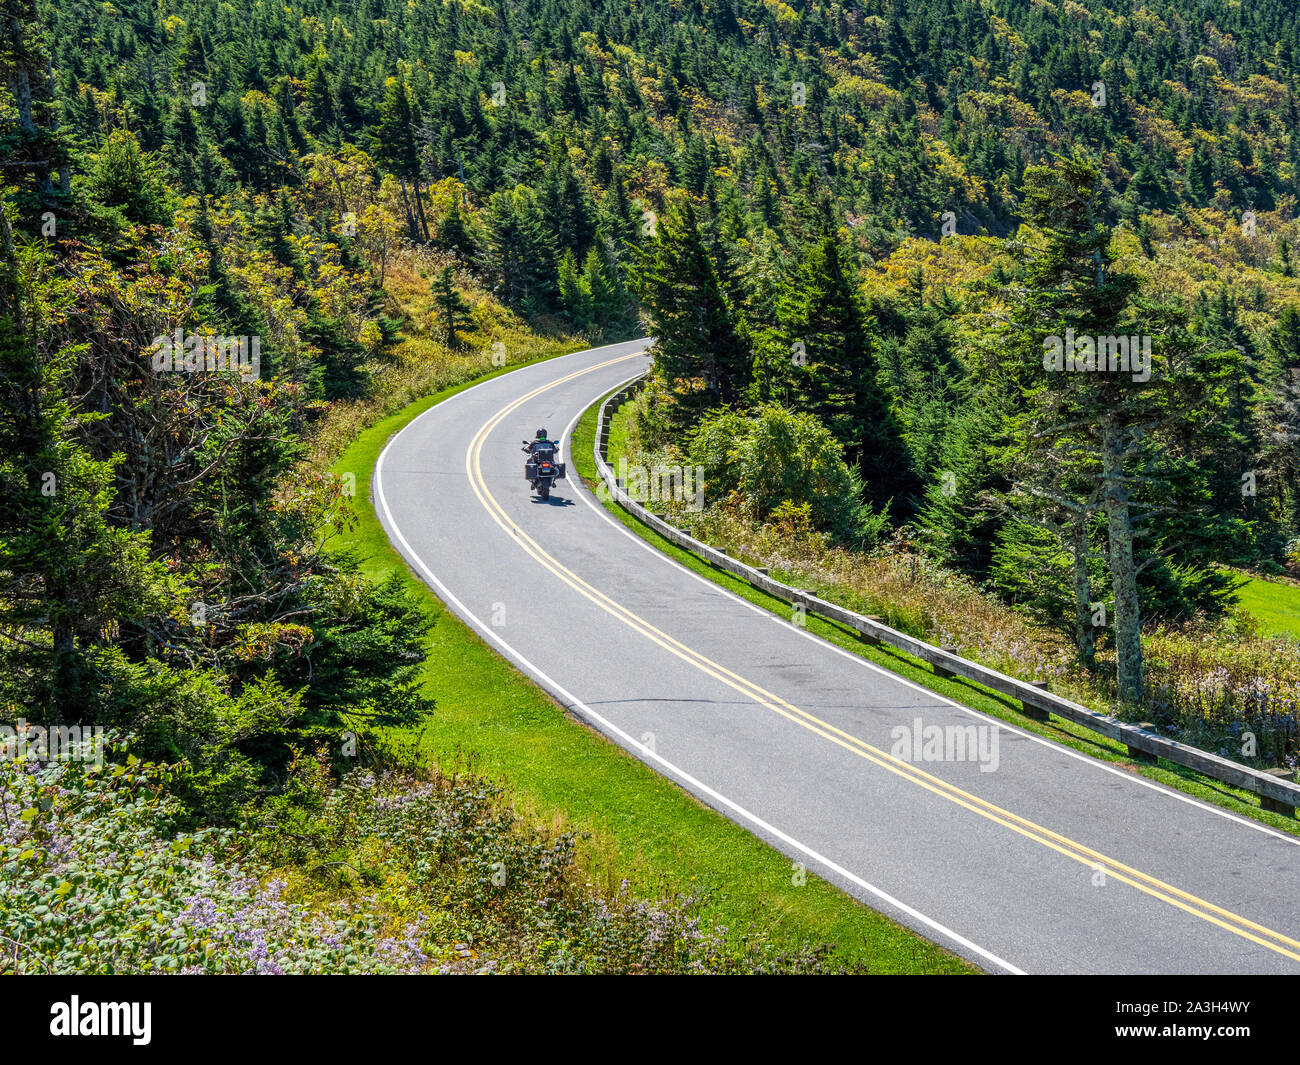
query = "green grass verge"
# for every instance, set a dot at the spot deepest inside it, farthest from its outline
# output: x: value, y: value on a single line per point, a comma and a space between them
x: 1275, y: 605
x: 643, y: 828
x: 967, y: 693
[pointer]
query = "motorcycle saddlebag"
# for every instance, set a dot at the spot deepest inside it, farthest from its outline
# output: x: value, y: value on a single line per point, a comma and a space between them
x: 559, y: 466
x: 530, y: 471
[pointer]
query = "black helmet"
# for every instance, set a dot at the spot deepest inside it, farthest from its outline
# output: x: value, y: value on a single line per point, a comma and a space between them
x: 541, y: 434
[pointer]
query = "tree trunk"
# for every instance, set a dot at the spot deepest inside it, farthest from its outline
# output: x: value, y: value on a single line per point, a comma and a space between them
x: 1085, y: 631
x: 19, y: 83
x: 419, y: 205
x: 21, y: 73
x: 65, y: 171
x: 65, y: 681
x: 1128, y: 623
x: 410, y: 217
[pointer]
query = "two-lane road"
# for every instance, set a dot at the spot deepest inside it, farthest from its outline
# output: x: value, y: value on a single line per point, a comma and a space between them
x: 1023, y: 856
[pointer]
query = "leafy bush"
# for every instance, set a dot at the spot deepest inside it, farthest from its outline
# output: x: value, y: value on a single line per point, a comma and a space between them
x: 91, y: 883
x: 1211, y: 687
x: 497, y: 895
x: 189, y: 717
x: 779, y: 457
x: 1291, y: 557
x: 387, y: 874
x: 653, y: 422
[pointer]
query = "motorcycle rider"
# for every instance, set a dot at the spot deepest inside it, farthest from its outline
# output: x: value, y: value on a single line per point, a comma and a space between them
x: 542, y: 450
x: 541, y: 444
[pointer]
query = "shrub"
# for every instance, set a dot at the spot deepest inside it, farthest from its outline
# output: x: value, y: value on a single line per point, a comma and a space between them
x: 379, y: 874
x: 499, y: 895
x: 1291, y: 557
x: 778, y: 456
x: 92, y: 883
x: 1211, y: 688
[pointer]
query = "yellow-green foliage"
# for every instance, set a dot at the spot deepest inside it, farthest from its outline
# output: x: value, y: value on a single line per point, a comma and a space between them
x: 420, y: 363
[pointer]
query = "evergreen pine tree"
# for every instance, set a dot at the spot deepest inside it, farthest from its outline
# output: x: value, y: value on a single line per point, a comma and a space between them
x: 453, y: 311
x: 701, y: 346
x: 573, y: 297
x: 454, y: 234
x: 1278, y: 419
x: 521, y: 252
x: 394, y: 144
x: 1095, y: 436
x: 838, y: 382
x: 604, y: 295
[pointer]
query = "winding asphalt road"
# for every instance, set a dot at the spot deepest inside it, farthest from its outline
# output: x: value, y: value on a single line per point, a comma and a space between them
x: 1022, y: 857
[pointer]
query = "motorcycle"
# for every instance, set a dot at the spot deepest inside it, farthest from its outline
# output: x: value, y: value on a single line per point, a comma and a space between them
x: 542, y: 470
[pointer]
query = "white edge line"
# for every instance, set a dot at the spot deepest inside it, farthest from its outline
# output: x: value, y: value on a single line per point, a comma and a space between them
x: 585, y: 495
x: 645, y: 753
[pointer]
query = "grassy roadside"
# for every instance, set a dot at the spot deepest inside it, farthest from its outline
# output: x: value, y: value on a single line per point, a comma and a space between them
x: 960, y: 691
x: 643, y: 828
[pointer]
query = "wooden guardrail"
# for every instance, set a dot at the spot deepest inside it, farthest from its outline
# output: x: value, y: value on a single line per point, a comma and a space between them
x: 1276, y: 792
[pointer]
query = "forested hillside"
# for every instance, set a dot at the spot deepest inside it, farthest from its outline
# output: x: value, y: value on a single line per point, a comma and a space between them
x: 880, y: 244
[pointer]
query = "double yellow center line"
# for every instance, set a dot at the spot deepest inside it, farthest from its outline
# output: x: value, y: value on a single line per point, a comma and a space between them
x: 1158, y: 889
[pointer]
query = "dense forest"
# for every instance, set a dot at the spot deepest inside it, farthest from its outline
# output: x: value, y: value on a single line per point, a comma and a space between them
x: 854, y: 229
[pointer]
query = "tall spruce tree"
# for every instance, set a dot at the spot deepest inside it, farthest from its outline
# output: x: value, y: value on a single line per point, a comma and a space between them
x: 394, y: 143
x: 1101, y: 415
x: 838, y: 380
x: 453, y: 311
x: 959, y: 519
x: 701, y: 344
x: 1278, y: 421
x: 521, y: 252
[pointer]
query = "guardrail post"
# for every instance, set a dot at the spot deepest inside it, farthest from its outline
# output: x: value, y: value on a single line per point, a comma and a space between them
x: 1277, y: 806
x: 939, y: 671
x: 867, y: 638
x: 1139, y: 755
x: 1035, y: 713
